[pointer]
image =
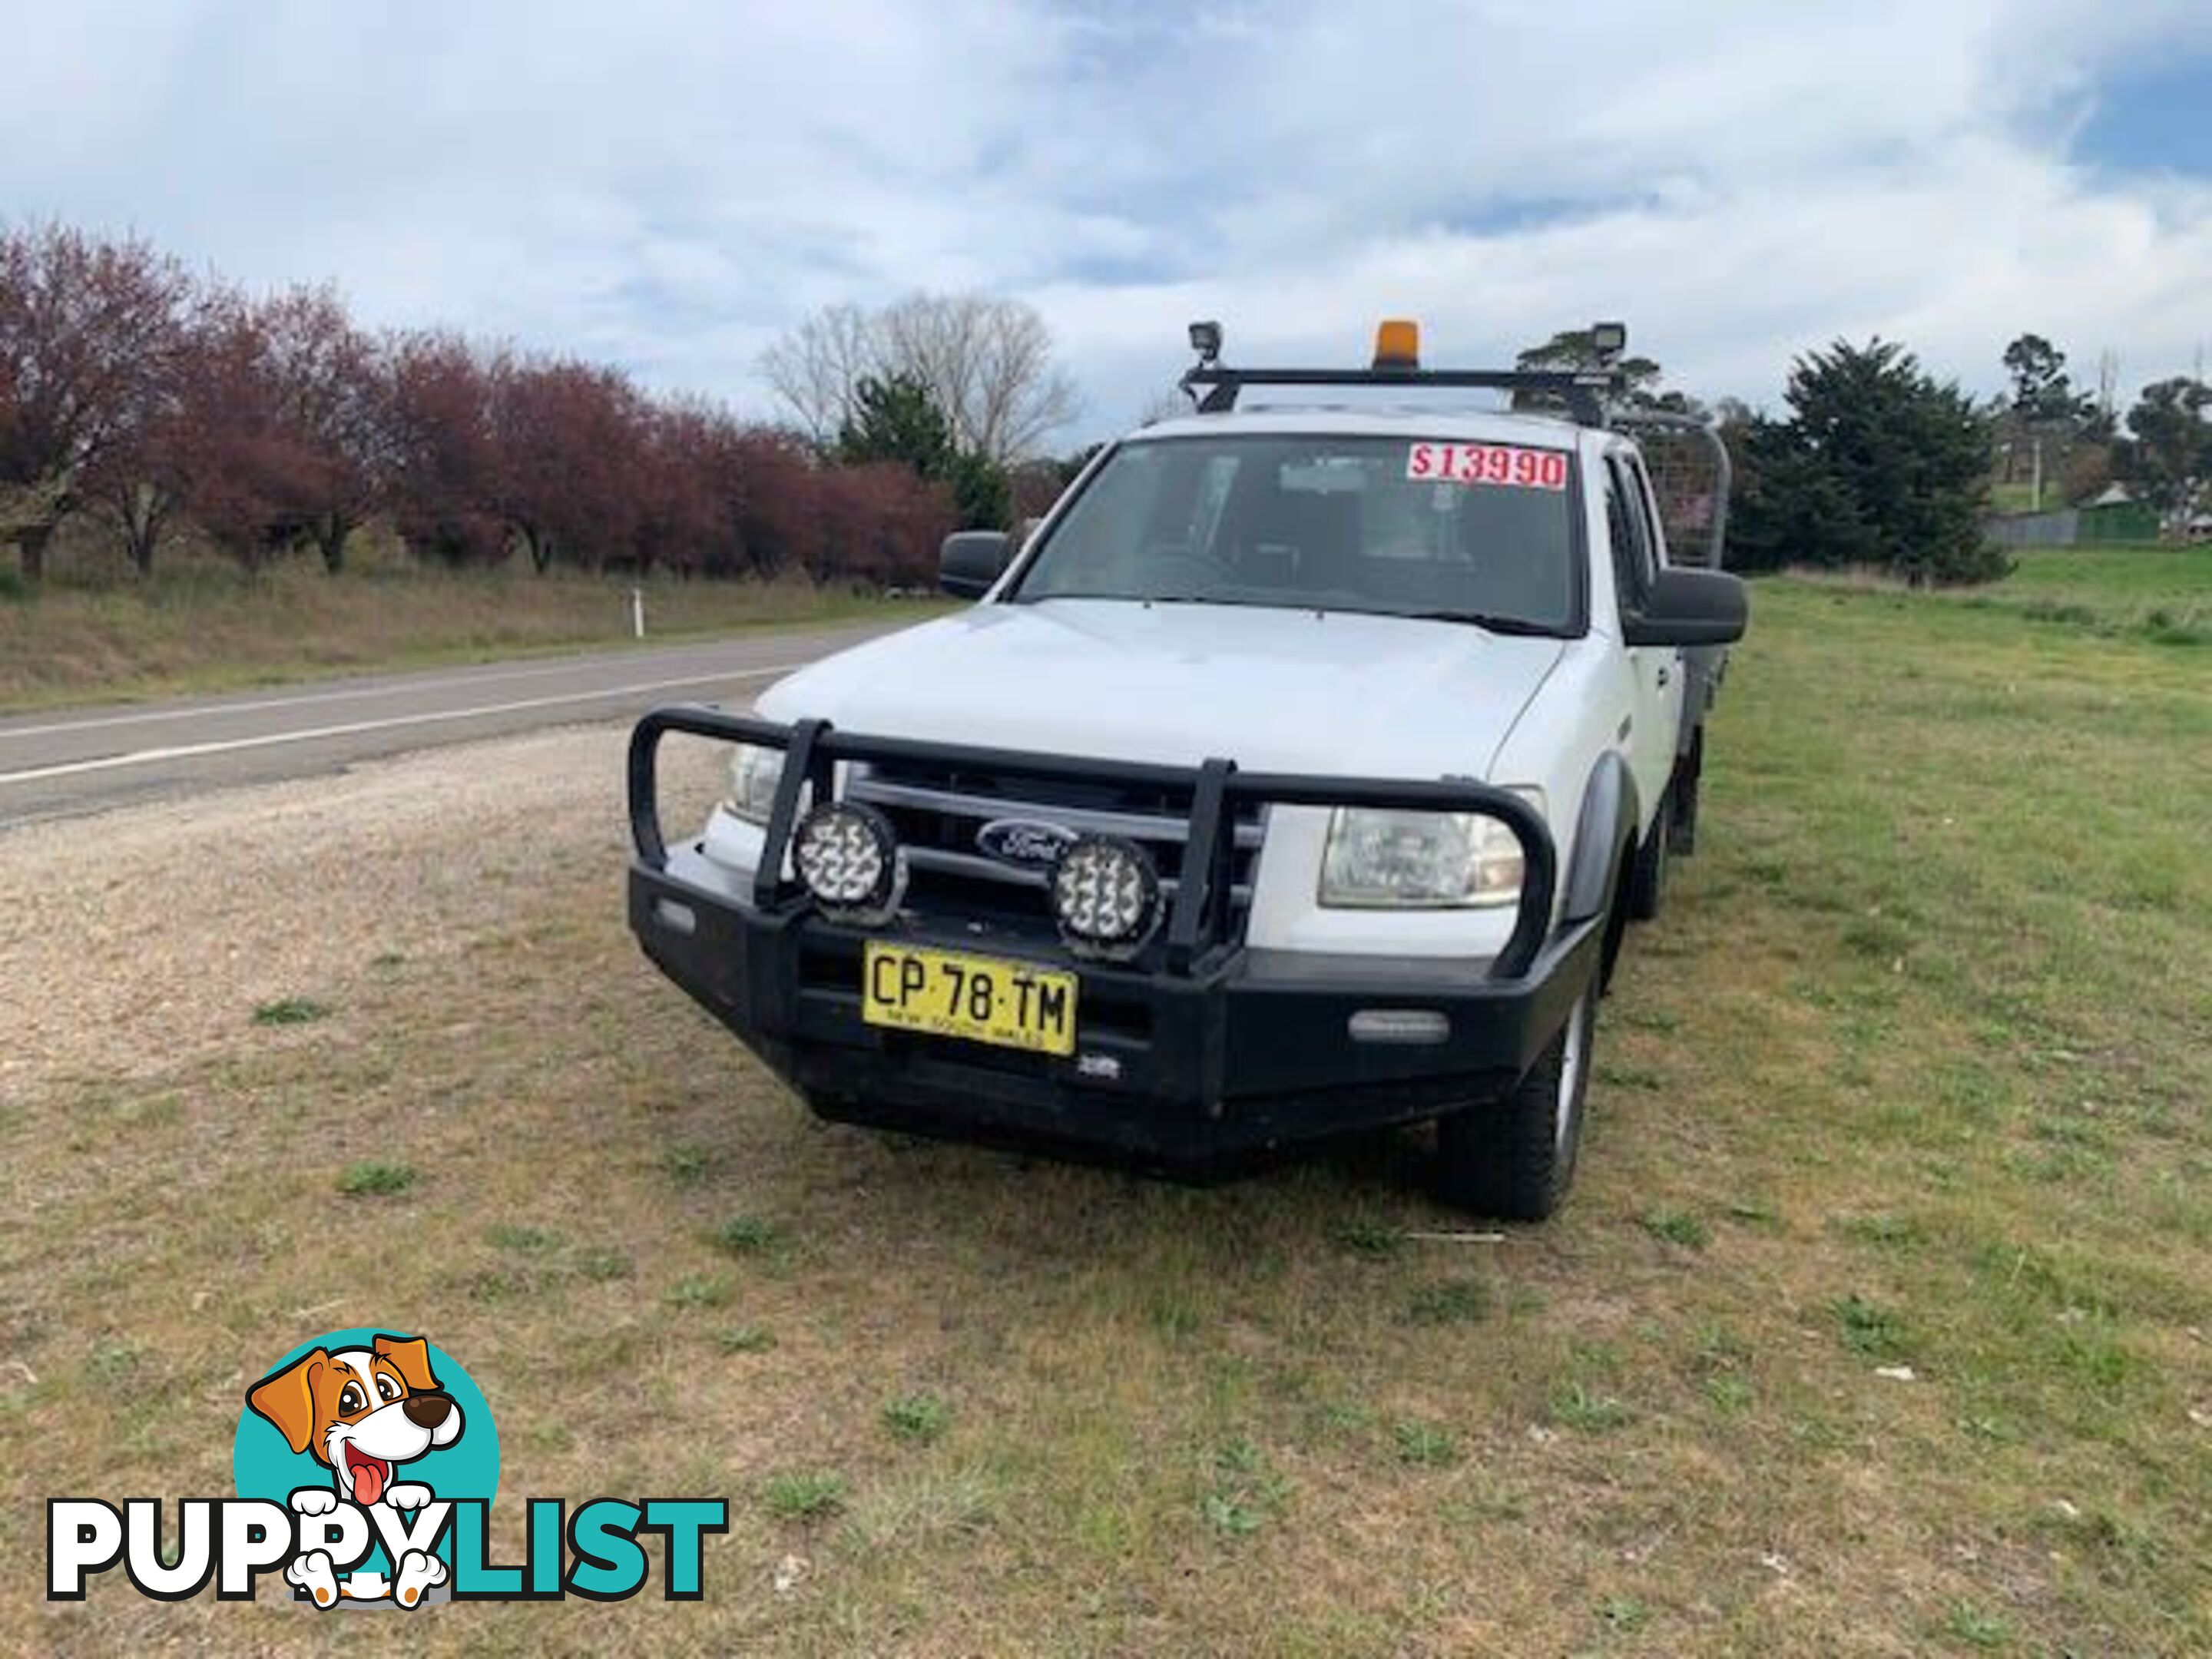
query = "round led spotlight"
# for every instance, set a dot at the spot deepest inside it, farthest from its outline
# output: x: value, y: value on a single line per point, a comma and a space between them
x: 1106, y: 895
x: 849, y: 859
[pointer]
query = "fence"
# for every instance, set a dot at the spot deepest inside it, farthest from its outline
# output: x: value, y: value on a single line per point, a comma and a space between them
x: 2087, y: 526
x: 2035, y: 529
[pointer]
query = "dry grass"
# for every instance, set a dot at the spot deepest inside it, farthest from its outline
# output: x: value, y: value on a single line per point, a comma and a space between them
x: 1912, y: 1074
x: 200, y: 627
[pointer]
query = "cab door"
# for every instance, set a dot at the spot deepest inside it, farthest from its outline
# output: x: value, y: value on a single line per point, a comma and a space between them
x: 1655, y: 671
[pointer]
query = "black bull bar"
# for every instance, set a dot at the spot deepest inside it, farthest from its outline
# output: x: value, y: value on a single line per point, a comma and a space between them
x: 1198, y: 919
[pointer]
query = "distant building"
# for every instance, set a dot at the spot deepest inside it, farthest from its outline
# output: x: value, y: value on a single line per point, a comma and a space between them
x: 2116, y: 516
x: 2111, y: 518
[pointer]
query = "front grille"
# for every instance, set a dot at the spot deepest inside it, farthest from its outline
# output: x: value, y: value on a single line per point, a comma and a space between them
x: 938, y: 810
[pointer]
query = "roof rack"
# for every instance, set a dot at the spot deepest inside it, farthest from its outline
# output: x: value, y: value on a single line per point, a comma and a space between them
x: 1214, y: 388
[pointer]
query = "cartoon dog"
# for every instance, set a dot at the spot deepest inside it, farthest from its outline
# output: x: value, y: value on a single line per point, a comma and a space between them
x: 361, y: 1412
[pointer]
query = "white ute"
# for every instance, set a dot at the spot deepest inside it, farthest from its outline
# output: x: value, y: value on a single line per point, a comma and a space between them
x: 1299, y: 775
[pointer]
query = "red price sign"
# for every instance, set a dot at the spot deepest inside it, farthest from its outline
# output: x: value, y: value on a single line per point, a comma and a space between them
x: 1487, y: 463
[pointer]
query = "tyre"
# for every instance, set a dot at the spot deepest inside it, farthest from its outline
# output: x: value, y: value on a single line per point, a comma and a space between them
x: 1647, y: 876
x: 1682, y: 842
x: 1514, y: 1159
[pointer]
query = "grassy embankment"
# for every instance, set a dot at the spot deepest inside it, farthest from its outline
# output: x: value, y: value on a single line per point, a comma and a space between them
x: 207, y: 627
x: 1881, y: 1321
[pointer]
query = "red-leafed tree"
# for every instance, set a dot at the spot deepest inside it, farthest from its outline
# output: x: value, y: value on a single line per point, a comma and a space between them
x: 568, y: 442
x: 329, y: 385
x: 444, y: 485
x: 89, y: 331
x: 906, y: 520
x: 684, y: 516
x: 235, y: 454
x: 281, y: 431
x: 185, y: 422
x: 890, y: 523
x: 130, y: 391
x: 779, y: 517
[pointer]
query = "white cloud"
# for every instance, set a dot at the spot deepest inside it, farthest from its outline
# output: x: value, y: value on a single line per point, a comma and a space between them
x: 668, y: 184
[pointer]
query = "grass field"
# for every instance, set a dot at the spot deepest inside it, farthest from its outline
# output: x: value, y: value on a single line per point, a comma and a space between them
x: 1879, y: 1322
x: 2162, y: 594
x: 208, y: 627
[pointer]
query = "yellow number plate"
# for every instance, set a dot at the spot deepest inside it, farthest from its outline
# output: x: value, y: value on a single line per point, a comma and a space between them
x: 1013, y: 1005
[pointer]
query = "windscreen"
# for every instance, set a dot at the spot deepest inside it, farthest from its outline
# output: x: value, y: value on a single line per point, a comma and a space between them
x: 1479, y: 532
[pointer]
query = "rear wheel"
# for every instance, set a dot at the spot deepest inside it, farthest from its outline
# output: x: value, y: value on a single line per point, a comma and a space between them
x: 1514, y: 1159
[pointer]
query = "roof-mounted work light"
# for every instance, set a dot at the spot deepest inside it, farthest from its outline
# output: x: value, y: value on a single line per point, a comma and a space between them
x: 1609, y: 340
x: 1205, y: 341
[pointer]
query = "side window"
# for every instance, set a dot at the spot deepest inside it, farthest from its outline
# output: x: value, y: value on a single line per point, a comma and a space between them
x: 1630, y: 526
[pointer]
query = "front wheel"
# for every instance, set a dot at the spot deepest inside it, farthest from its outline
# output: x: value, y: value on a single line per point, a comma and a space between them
x: 1514, y: 1159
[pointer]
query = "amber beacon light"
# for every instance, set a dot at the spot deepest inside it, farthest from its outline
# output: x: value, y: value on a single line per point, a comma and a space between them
x: 1398, y: 343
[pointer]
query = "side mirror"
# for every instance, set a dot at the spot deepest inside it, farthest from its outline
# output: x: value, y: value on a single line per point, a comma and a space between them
x: 1691, y: 607
x: 972, y: 560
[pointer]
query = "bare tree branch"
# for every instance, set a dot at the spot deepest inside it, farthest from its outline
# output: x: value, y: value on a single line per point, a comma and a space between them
x: 815, y: 368
x: 986, y: 362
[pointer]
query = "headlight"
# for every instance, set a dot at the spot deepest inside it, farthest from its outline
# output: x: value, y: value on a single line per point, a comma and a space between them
x: 754, y: 773
x: 1379, y: 860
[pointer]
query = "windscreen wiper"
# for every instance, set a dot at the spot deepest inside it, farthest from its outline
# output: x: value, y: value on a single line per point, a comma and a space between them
x: 1520, y: 626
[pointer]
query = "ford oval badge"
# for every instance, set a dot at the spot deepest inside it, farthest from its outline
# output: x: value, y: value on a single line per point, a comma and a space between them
x: 1025, y: 842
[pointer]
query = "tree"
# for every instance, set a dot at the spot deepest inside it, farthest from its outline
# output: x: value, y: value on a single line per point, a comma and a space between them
x: 886, y: 523
x: 896, y: 418
x: 778, y: 520
x: 286, y: 407
x: 1069, y: 467
x: 566, y: 440
x: 986, y: 362
x: 444, y: 482
x: 328, y: 384
x: 2167, y: 457
x: 139, y: 479
x: 816, y: 367
x: 2041, y: 388
x: 1879, y: 465
x: 2086, y: 473
x: 1574, y: 351
x: 129, y: 391
x: 1034, y: 487
x: 982, y: 494
x: 88, y: 330
x: 695, y: 476
x: 2045, y: 418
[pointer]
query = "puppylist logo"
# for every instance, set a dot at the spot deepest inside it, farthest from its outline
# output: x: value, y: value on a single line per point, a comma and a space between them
x: 366, y: 1465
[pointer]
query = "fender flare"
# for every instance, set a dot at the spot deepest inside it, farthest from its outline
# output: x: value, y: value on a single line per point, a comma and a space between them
x: 1605, y: 832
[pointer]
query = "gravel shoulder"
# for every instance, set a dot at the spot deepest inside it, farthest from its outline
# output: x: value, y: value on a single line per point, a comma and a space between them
x: 147, y: 936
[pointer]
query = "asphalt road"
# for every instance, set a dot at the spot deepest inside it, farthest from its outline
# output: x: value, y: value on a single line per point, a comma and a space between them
x: 59, y: 764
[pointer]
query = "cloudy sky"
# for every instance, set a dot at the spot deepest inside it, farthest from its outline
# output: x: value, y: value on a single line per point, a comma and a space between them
x: 668, y: 185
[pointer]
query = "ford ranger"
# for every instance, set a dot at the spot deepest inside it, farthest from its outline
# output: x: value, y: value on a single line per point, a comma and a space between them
x: 1299, y: 775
